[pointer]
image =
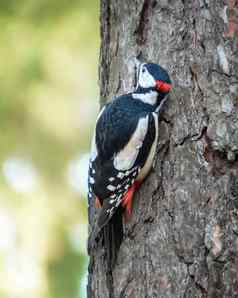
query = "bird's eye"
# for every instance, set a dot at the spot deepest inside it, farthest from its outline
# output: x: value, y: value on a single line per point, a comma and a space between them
x: 143, y: 69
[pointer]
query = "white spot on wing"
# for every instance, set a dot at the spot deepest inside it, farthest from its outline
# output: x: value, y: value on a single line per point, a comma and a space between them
x: 118, y: 203
x: 120, y: 175
x: 111, y: 179
x: 111, y: 187
x: 127, y: 173
x: 91, y: 180
x: 126, y: 158
x: 110, y: 210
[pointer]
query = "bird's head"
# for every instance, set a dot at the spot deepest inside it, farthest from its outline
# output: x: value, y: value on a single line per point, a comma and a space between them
x: 153, y: 78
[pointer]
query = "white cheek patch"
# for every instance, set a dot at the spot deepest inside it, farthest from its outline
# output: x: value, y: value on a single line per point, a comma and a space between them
x: 146, y: 80
x: 126, y: 158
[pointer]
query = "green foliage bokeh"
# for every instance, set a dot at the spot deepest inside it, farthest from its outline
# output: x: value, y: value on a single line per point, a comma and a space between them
x: 48, y: 102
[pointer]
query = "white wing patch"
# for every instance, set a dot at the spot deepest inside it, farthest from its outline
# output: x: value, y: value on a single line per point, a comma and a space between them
x: 126, y: 158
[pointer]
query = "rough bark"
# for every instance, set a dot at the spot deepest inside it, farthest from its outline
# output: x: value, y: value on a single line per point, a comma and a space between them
x: 182, y: 240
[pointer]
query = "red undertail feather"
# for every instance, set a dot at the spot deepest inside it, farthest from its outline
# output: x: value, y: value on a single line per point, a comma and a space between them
x: 128, y: 198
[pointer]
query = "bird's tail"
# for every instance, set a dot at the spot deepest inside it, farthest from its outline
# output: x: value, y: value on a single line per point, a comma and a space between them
x: 112, y: 236
x: 111, y: 231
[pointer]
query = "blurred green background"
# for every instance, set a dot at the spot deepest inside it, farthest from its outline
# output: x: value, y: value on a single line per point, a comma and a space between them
x: 48, y: 104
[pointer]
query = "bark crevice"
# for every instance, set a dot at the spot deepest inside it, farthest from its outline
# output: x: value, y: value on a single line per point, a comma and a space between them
x: 144, y: 23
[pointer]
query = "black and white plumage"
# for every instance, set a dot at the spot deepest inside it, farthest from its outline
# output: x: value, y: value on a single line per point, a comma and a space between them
x: 123, y: 149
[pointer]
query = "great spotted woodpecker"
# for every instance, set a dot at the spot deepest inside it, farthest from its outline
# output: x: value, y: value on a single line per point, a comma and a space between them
x: 123, y: 149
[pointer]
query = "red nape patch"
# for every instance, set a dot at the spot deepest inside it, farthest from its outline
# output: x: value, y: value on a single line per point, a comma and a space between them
x: 127, y: 199
x: 162, y: 86
x: 98, y: 203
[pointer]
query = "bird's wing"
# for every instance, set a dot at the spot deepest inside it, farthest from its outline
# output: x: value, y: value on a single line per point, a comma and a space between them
x: 122, y: 145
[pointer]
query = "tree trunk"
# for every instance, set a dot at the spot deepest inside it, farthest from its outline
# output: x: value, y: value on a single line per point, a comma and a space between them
x: 182, y: 239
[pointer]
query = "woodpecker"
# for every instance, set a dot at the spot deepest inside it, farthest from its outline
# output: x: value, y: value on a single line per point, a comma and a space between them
x: 123, y: 150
